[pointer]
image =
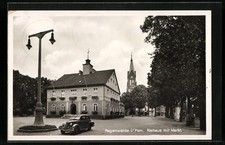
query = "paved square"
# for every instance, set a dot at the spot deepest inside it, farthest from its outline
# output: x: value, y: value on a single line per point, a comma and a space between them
x: 123, y: 126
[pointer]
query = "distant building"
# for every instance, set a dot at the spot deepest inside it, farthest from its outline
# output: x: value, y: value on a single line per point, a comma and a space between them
x: 160, y: 110
x: 87, y: 92
x: 131, y: 77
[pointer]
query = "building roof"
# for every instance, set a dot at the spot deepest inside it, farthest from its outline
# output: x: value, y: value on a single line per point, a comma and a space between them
x: 80, y: 80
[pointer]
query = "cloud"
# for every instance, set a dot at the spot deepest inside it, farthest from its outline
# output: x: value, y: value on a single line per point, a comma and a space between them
x: 110, y: 39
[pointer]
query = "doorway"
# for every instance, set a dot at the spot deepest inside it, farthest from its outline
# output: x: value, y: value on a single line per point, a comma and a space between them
x: 73, y: 109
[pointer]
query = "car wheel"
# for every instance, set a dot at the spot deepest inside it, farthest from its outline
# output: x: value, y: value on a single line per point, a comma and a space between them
x: 76, y: 130
x: 62, y: 132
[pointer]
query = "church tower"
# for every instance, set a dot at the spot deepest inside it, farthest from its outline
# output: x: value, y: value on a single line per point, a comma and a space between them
x: 131, y: 77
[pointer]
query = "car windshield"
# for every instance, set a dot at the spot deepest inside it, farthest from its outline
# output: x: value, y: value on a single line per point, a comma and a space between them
x: 74, y: 117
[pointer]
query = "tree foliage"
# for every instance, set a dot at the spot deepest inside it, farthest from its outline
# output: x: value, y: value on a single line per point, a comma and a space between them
x: 178, y: 66
x: 25, y: 93
x: 126, y: 99
x: 135, y: 99
x: 139, y: 96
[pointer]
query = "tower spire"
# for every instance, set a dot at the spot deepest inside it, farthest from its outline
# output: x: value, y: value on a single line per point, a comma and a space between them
x: 131, y: 76
x: 88, y: 54
x: 131, y: 64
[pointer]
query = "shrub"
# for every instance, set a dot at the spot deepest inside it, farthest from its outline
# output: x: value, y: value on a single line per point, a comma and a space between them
x: 111, y: 113
x: 84, y: 112
x: 94, y: 112
x: 53, y: 98
x: 53, y: 112
x: 61, y: 112
x: 62, y: 98
x: 29, y: 112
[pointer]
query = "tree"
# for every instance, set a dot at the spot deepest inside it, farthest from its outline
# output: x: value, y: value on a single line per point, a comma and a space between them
x: 135, y: 99
x: 178, y: 67
x: 25, y: 93
x: 139, y: 96
x: 126, y: 99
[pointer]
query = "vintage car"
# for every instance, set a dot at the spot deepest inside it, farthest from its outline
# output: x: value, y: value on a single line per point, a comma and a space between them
x: 77, y: 124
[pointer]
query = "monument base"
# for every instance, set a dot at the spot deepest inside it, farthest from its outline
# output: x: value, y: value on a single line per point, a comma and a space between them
x: 34, y: 128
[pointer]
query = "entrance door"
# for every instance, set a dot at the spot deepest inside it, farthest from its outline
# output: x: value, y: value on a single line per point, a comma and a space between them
x: 73, y: 109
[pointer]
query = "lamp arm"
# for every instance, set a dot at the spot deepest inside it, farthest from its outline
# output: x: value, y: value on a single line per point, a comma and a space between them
x: 40, y: 34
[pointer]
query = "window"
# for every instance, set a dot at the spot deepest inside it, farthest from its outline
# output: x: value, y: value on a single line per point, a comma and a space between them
x: 73, y: 92
x: 63, y: 107
x: 53, y: 94
x: 84, y: 92
x: 53, y: 107
x: 95, y: 90
x: 63, y: 93
x: 96, y: 107
x: 84, y: 107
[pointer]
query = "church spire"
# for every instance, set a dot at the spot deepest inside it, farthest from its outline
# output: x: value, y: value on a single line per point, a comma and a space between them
x: 131, y: 77
x: 131, y: 64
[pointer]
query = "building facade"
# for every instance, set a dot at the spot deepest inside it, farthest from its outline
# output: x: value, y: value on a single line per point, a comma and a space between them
x: 87, y: 92
x: 131, y: 77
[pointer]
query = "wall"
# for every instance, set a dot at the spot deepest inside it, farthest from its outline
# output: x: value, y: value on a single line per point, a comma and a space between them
x: 78, y: 101
x: 112, y: 83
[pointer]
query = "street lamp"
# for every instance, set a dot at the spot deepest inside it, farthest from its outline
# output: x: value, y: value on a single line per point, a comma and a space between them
x: 39, y: 109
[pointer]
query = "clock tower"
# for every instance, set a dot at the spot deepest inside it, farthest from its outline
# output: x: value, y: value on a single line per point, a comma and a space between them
x: 131, y: 77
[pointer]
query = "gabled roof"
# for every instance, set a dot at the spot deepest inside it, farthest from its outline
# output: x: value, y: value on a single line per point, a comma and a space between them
x: 80, y: 80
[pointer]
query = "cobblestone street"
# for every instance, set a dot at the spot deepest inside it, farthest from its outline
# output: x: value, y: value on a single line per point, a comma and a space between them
x: 123, y: 126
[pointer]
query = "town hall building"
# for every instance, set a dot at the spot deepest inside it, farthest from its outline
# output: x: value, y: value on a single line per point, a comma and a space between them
x: 92, y: 92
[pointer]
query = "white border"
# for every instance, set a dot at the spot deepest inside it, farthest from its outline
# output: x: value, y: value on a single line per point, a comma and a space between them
x: 208, y: 135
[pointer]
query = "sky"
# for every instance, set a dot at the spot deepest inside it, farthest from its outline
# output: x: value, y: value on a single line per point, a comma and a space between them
x: 110, y: 37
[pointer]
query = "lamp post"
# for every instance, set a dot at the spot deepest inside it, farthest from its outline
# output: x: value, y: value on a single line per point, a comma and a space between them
x: 39, y: 109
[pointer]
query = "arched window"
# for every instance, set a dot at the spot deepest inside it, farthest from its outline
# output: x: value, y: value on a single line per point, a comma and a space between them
x: 63, y: 108
x: 84, y: 107
x: 53, y: 107
x: 96, y: 107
